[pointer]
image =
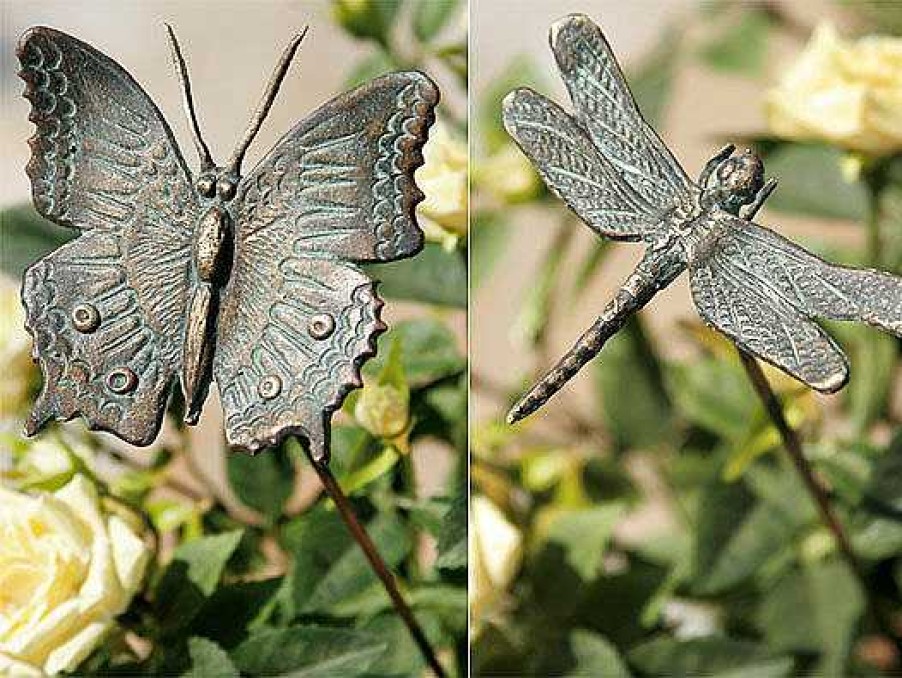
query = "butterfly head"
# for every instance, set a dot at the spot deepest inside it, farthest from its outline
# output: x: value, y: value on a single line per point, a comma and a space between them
x: 217, y: 182
x: 736, y: 181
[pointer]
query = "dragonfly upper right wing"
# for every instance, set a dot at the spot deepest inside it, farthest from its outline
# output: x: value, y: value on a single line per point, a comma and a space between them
x: 606, y: 109
x: 763, y: 291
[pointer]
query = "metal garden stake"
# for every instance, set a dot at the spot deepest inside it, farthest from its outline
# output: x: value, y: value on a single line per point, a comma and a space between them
x: 756, y: 287
x: 753, y: 285
x: 246, y: 280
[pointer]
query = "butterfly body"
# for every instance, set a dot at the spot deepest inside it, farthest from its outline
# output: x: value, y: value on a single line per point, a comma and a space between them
x: 611, y: 168
x: 246, y: 280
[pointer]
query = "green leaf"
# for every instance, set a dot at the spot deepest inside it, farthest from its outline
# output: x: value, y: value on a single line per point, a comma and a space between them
x: 351, y: 575
x: 367, y: 19
x: 872, y: 356
x: 814, y: 610
x: 584, y: 534
x: 234, y: 609
x: 811, y: 183
x: 706, y: 657
x: 595, y: 656
x: 736, y: 536
x: 742, y: 47
x: 25, y: 237
x: 452, y: 542
x: 636, y: 406
x: 715, y: 395
x: 404, y: 659
x: 308, y: 651
x: 430, y: 16
x: 192, y: 577
x: 430, y: 352
x: 489, y: 235
x: 884, y: 491
x: 208, y: 659
x: 316, y: 539
x: 434, y: 276
x: 264, y: 481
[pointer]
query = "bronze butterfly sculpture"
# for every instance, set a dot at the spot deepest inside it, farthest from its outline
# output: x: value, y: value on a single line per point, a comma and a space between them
x: 611, y: 168
x: 246, y: 280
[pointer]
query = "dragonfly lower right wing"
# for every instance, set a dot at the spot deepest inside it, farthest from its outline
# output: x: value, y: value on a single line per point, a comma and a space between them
x: 764, y: 292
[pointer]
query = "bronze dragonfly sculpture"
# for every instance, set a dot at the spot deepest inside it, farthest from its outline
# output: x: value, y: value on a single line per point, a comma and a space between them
x: 248, y: 280
x: 610, y: 167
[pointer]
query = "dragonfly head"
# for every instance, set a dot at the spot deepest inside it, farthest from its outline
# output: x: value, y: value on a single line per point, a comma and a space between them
x: 736, y: 181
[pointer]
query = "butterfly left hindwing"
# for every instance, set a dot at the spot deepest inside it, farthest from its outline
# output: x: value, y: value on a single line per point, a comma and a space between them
x: 297, y: 317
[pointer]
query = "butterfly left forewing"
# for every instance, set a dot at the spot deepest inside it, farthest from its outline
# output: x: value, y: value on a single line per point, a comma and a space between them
x: 298, y: 318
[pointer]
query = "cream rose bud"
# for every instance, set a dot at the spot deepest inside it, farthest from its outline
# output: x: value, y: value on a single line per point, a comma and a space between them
x: 443, y: 180
x: 848, y: 93
x: 66, y: 570
x: 495, y: 555
x: 15, y: 353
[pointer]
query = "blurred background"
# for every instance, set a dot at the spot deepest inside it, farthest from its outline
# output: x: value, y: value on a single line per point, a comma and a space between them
x: 399, y: 445
x: 646, y: 521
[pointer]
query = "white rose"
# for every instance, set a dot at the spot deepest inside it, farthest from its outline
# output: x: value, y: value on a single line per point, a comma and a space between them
x: 848, y: 93
x: 66, y: 571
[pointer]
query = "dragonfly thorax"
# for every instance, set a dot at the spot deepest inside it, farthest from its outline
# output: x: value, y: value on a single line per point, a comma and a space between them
x: 735, y: 182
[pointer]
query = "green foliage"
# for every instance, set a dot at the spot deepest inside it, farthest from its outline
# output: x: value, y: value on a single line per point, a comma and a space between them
x: 25, y: 237
x: 741, y: 46
x: 435, y: 276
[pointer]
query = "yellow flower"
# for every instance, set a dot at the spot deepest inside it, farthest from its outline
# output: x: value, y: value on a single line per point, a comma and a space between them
x: 443, y: 179
x: 66, y: 570
x: 15, y: 353
x: 496, y: 551
x: 848, y: 93
x: 509, y: 176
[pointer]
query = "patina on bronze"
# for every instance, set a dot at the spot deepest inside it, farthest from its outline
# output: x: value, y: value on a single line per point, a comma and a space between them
x: 611, y: 168
x: 246, y: 280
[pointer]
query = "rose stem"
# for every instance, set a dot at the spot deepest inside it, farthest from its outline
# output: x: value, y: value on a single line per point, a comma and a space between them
x: 358, y: 531
x: 793, y: 445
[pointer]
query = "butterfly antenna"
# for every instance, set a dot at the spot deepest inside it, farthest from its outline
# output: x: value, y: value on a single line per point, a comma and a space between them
x: 203, y: 151
x: 272, y: 89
